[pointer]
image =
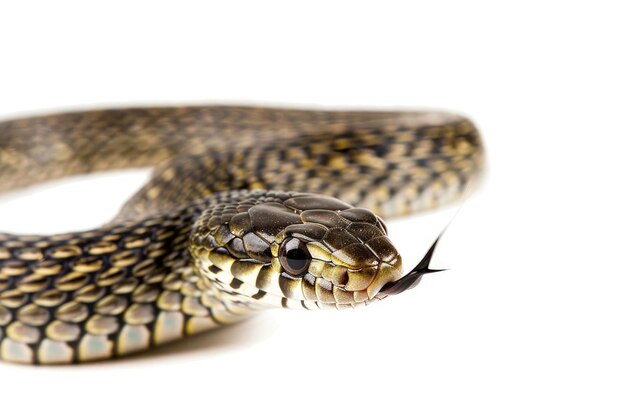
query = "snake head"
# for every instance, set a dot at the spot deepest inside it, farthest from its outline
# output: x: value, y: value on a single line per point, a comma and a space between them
x: 295, y: 250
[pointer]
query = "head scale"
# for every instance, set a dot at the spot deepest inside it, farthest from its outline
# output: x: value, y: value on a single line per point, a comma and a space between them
x: 295, y: 250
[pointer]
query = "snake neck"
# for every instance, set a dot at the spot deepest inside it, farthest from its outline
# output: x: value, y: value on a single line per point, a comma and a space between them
x: 107, y: 292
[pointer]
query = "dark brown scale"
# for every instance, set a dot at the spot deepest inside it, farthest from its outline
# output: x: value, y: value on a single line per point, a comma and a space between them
x: 257, y: 248
x: 337, y: 238
x: 365, y: 231
x: 326, y: 218
x: 307, y: 231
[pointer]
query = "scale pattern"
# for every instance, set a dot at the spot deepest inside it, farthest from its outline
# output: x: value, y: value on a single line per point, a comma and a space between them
x: 198, y: 245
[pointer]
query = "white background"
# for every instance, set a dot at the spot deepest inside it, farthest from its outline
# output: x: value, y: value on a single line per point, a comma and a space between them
x: 531, y: 318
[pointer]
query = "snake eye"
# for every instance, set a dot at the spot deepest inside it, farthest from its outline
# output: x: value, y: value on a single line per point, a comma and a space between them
x: 294, y: 256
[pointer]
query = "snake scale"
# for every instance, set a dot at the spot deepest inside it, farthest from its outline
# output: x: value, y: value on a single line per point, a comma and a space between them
x: 247, y: 208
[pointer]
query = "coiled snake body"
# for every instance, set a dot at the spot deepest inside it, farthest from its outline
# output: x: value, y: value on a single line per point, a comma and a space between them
x: 211, y: 237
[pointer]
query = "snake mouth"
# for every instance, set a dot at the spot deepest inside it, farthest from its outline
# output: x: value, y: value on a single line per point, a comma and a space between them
x: 414, y: 276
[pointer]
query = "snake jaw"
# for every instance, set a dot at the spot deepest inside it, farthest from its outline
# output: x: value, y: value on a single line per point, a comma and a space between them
x: 387, y: 273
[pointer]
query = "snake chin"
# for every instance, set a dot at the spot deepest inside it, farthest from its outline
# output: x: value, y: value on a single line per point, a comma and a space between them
x: 296, y: 250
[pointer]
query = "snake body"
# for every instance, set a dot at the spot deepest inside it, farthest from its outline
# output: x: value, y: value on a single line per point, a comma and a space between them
x: 211, y: 238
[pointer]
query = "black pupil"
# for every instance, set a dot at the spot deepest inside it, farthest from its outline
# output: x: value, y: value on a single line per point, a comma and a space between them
x: 296, y: 259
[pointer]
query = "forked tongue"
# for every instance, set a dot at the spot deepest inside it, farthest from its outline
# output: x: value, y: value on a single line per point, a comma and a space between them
x: 414, y: 276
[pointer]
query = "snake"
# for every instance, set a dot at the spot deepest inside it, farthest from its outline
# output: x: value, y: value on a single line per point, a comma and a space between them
x: 247, y: 208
